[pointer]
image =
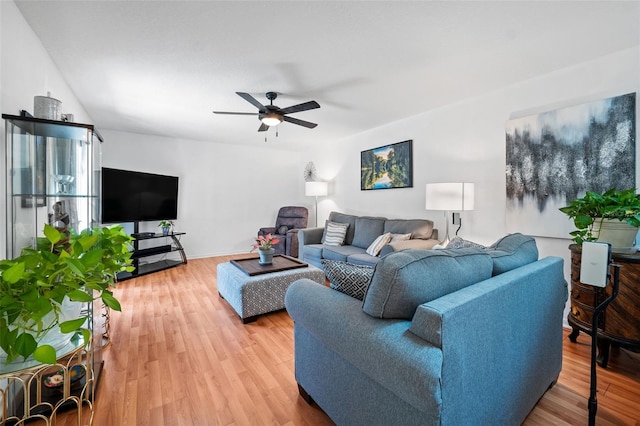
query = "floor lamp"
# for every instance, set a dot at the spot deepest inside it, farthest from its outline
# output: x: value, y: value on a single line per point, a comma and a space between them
x: 316, y: 189
x: 449, y: 197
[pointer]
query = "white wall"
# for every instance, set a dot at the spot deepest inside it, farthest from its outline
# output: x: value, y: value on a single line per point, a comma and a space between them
x: 26, y: 70
x: 226, y: 192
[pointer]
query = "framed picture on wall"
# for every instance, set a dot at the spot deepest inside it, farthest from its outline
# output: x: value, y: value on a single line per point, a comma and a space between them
x: 385, y: 167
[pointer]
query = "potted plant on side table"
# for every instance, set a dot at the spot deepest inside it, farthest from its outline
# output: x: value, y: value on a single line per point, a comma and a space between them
x: 612, y: 217
x: 264, y: 245
x: 65, y: 269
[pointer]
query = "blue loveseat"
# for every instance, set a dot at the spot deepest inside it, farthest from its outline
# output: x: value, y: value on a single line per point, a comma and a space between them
x: 443, y: 337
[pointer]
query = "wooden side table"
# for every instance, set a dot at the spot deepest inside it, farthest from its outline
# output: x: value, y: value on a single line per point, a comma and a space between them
x: 620, y: 322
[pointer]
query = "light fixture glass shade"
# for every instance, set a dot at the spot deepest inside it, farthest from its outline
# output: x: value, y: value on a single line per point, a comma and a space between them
x: 271, y: 119
x: 316, y: 189
x: 450, y: 196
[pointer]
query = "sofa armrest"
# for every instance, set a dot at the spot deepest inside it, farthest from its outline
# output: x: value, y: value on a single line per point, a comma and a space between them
x: 501, y: 339
x: 383, y: 349
x: 267, y: 230
x: 409, y: 244
x: 310, y: 236
x: 292, y: 242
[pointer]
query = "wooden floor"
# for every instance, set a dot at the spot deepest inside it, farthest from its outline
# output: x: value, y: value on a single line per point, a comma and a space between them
x: 180, y: 356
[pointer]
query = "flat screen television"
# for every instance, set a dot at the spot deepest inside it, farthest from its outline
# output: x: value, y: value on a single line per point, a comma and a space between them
x: 129, y: 196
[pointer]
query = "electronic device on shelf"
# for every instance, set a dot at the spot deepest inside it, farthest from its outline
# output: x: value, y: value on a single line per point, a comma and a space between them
x: 143, y: 234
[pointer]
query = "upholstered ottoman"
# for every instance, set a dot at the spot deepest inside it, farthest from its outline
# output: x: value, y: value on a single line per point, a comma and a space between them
x: 251, y: 296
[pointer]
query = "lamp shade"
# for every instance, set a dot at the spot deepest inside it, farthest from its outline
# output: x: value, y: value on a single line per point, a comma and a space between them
x: 316, y: 189
x: 450, y: 196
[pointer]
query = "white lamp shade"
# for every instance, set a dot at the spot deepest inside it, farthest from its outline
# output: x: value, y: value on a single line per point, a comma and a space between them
x: 316, y: 189
x: 450, y: 196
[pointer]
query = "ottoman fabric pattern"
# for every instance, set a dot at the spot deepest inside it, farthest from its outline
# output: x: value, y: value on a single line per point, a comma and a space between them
x: 254, y: 295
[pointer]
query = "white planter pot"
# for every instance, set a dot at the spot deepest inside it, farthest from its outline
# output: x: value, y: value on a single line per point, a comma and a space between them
x: 619, y: 234
x: 54, y: 337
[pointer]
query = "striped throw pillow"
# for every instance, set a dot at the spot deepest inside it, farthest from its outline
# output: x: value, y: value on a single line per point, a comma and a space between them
x: 334, y: 233
x: 378, y: 243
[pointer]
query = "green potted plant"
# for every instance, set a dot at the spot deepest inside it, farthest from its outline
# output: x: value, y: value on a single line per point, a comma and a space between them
x: 166, y: 226
x: 613, y: 217
x: 264, y: 245
x: 63, y: 269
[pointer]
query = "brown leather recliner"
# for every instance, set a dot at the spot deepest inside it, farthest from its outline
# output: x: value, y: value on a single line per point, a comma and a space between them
x: 290, y: 220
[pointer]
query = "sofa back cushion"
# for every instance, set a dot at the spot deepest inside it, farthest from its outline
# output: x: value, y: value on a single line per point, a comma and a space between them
x: 345, y: 218
x: 418, y: 228
x: 404, y: 280
x: 367, y: 230
x: 512, y: 251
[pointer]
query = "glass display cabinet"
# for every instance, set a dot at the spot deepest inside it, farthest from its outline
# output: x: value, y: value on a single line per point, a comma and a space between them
x: 52, y: 176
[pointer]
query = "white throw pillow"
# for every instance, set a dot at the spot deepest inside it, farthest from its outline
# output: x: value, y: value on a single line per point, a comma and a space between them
x: 376, y: 246
x: 334, y: 233
x: 400, y: 237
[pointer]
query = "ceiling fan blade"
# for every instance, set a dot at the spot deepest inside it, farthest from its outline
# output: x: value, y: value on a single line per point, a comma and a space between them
x: 235, y: 113
x: 299, y: 122
x: 253, y: 101
x: 263, y: 128
x: 300, y: 107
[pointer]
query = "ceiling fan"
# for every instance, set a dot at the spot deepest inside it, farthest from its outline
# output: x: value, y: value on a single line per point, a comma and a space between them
x: 272, y: 115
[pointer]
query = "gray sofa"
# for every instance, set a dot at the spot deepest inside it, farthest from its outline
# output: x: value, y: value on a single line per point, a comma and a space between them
x: 443, y: 337
x: 362, y: 231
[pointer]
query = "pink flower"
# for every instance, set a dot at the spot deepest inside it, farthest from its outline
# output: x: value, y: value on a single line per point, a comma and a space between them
x: 264, y: 242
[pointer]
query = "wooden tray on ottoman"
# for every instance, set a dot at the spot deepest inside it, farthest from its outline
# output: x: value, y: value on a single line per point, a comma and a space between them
x: 251, y: 265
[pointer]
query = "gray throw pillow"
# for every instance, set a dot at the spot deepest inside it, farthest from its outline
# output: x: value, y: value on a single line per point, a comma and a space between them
x: 458, y: 243
x: 348, y: 278
x: 282, y: 230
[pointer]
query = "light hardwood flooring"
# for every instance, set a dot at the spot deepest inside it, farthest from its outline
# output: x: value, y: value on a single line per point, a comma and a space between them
x: 179, y: 355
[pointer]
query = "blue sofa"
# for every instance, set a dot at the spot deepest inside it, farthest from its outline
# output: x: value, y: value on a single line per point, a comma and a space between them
x: 443, y: 337
x: 362, y: 231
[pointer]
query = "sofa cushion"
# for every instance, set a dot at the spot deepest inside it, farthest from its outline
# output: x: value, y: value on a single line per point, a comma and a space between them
x: 340, y: 252
x: 512, y: 251
x: 363, y: 259
x: 345, y: 218
x: 367, y: 230
x: 418, y: 228
x: 378, y: 243
x: 404, y: 280
x: 348, y: 278
x: 334, y: 233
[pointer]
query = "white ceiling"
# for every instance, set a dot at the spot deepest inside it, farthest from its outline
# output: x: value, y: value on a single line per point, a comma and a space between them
x: 161, y: 67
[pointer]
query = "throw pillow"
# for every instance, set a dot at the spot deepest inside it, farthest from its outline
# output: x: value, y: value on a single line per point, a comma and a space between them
x: 458, y: 243
x: 400, y: 237
x: 282, y: 230
x: 334, y: 233
x: 378, y: 243
x: 348, y: 278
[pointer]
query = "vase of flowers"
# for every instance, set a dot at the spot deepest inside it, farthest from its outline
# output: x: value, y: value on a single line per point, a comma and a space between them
x: 264, y: 245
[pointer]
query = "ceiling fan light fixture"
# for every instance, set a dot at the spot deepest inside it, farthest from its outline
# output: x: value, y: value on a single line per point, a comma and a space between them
x: 271, y: 118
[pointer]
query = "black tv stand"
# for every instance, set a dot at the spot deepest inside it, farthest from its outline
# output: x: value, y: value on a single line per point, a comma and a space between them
x: 173, y: 245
